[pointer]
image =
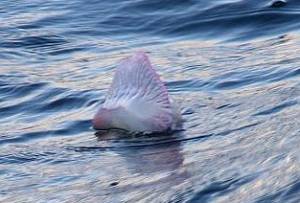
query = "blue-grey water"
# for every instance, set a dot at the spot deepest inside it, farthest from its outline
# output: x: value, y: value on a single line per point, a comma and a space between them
x: 232, y: 65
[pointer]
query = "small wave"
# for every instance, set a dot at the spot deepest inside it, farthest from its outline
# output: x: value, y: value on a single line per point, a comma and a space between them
x: 217, y: 189
x: 289, y: 192
x: 277, y: 108
x: 70, y: 129
x: 34, y: 42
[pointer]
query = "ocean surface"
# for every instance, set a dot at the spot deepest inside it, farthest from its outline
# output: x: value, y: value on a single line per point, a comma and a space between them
x: 232, y: 65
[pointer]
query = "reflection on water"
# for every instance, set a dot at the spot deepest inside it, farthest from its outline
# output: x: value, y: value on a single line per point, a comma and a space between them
x: 154, y: 167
